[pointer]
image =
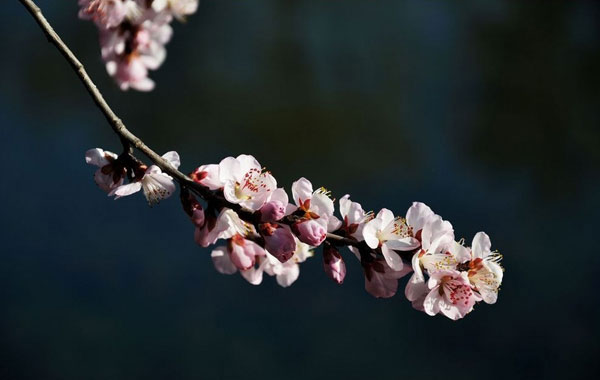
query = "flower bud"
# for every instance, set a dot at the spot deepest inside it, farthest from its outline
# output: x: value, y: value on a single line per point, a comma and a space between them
x: 193, y: 208
x: 198, y: 216
x: 272, y: 211
x: 333, y: 264
x: 310, y: 232
x: 279, y: 241
x: 243, y: 252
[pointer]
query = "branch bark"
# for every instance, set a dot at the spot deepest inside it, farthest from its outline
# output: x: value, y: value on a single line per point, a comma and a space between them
x: 128, y: 139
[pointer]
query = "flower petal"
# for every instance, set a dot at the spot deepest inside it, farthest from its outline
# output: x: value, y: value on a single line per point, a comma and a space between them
x: 221, y: 261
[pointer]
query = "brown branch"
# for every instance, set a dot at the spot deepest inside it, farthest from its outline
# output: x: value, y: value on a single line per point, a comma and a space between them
x: 128, y: 139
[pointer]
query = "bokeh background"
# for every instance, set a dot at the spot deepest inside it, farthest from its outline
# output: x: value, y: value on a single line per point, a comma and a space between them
x: 488, y: 111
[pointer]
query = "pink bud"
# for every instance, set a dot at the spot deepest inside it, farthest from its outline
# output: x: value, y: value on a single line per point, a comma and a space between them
x: 310, y: 232
x: 243, y: 252
x: 333, y: 263
x: 272, y: 211
x: 193, y: 208
x: 279, y: 241
x: 198, y: 216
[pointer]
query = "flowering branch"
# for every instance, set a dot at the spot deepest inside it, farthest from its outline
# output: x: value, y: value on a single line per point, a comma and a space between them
x: 265, y: 233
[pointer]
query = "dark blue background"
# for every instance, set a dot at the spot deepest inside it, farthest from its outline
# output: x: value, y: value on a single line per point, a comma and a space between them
x: 487, y: 111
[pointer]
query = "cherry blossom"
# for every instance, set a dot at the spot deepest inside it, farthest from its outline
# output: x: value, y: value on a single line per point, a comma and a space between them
x: 438, y: 251
x: 245, y: 183
x: 265, y: 234
x: 315, y: 205
x: 485, y: 272
x: 354, y: 217
x: 389, y: 233
x: 111, y: 173
x: 133, y: 35
x: 155, y: 184
x: 450, y: 293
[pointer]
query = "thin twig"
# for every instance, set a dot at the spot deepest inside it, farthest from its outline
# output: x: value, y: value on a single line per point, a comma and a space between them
x: 128, y: 139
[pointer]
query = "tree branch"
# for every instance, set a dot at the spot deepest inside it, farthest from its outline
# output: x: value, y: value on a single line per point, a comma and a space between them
x: 128, y: 139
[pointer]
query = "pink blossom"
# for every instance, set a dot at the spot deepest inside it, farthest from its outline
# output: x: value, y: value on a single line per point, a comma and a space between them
x: 275, y: 207
x: 110, y: 174
x: 354, y: 218
x: 389, y: 234
x: 208, y: 176
x: 224, y: 226
x: 243, y: 252
x: 311, y: 232
x: 105, y: 13
x: 245, y: 183
x: 315, y: 205
x: 155, y: 184
x: 333, y: 264
x: 485, y: 271
x: 450, y: 293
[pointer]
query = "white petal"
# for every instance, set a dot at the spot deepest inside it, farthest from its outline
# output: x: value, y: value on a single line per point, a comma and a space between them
x: 125, y: 190
x: 248, y: 162
x: 229, y: 170
x: 222, y: 261
x: 289, y: 275
x: 279, y: 195
x: 392, y: 258
x: 173, y: 158
x: 403, y: 244
x: 345, y: 203
x: 333, y: 223
x: 415, y: 288
x: 417, y: 215
x: 97, y: 157
x: 321, y: 204
x: 370, y: 233
x: 481, y: 245
x: 301, y: 190
x: 386, y: 217
x: 431, y: 302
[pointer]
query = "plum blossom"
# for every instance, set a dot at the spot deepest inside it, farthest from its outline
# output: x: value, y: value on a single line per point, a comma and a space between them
x: 389, y: 233
x: 450, y: 293
x: 245, y: 183
x: 155, y: 184
x: 315, y: 205
x: 110, y: 173
x: 485, y: 272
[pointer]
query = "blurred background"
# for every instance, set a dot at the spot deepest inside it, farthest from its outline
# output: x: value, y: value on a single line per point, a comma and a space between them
x: 487, y: 111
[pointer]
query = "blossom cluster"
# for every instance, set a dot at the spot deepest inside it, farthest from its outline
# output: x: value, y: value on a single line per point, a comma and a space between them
x: 262, y: 231
x: 133, y: 35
